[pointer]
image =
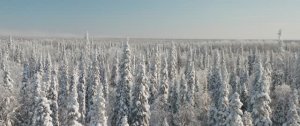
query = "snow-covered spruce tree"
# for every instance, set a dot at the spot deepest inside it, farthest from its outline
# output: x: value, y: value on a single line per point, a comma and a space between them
x: 148, y: 61
x: 244, y: 93
x: 63, y: 81
x: 185, y: 115
x: 7, y: 81
x: 289, y: 70
x: 140, y: 110
x: 32, y: 63
x: 133, y: 66
x: 277, y: 74
x: 183, y: 90
x: 82, y: 89
x: 297, y: 74
x: 247, y: 119
x: 180, y: 62
x: 26, y: 95
x: 260, y: 98
x: 89, y: 84
x: 24, y: 92
x: 73, y: 105
x: 158, y: 61
x: 235, y: 118
x: 175, y: 102
x: 200, y: 94
x: 218, y: 113
x: 224, y: 71
x: 52, y: 95
x: 233, y: 81
x: 215, y: 79
x: 97, y: 112
x: 112, y: 88
x: 202, y: 100
x: 268, y: 73
x: 292, y: 115
x: 5, y: 57
x: 40, y: 65
x: 47, y: 71
x: 239, y: 64
x: 251, y: 62
x: 114, y: 72
x: 122, y: 104
x: 189, y: 57
x: 198, y: 86
x: 172, y: 60
x: 154, y: 73
x: 204, y: 58
x: 42, y: 112
x: 214, y: 83
x: 280, y: 104
x: 160, y: 112
x: 7, y: 111
x: 19, y: 55
x: 223, y: 105
x: 103, y: 79
x: 14, y: 55
x: 91, y: 89
x: 172, y: 71
x: 190, y: 76
x: 212, y: 113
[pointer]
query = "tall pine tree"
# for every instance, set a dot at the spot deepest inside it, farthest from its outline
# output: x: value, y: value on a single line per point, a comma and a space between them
x: 260, y: 98
x: 122, y: 104
x: 73, y: 105
x: 140, y: 111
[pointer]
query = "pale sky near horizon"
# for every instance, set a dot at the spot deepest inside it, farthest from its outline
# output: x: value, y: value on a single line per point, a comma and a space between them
x: 202, y: 19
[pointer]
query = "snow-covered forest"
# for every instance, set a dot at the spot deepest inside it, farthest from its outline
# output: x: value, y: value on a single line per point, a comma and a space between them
x: 149, y: 82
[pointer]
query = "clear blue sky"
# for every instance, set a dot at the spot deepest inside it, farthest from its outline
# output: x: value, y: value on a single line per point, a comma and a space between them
x: 204, y: 19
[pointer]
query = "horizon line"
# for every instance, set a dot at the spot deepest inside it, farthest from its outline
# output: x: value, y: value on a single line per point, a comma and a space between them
x: 124, y: 37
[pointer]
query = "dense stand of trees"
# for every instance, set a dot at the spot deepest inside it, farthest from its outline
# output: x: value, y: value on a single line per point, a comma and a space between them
x: 152, y: 82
